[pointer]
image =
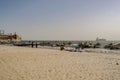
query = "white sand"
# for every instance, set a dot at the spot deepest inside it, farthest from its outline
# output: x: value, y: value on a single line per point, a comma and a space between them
x: 19, y: 63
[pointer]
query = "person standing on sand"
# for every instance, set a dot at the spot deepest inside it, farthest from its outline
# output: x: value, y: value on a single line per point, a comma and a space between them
x: 36, y: 44
x: 32, y: 45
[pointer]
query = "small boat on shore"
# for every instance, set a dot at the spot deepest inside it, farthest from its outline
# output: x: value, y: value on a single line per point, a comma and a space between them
x: 21, y: 44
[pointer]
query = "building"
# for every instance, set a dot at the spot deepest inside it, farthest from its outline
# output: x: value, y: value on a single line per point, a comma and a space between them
x: 7, y: 38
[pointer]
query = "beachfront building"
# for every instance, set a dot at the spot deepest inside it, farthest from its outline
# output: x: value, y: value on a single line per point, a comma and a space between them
x: 7, y: 38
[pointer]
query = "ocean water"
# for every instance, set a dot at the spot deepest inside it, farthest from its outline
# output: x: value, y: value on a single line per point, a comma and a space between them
x: 101, y: 50
x: 103, y: 43
x: 98, y: 50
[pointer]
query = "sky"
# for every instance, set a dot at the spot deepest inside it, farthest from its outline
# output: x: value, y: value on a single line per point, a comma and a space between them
x: 61, y: 19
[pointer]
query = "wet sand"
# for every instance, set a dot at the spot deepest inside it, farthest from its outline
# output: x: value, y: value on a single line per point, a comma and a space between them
x: 22, y: 63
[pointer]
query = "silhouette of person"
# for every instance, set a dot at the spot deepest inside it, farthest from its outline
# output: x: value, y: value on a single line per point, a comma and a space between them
x: 32, y: 44
x: 36, y: 45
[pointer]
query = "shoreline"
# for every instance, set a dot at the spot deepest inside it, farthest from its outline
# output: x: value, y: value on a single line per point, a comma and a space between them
x: 94, y: 50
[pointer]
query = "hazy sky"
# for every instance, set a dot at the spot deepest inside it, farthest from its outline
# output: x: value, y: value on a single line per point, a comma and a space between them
x: 61, y: 19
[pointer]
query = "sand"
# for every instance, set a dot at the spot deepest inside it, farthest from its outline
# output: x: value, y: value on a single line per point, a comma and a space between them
x: 22, y: 63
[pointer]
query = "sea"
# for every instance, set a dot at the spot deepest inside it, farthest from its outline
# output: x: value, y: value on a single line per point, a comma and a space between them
x: 100, y: 50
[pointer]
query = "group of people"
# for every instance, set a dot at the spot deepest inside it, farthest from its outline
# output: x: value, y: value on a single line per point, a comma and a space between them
x: 34, y: 44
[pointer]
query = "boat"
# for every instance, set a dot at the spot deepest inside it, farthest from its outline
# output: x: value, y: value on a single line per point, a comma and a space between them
x: 100, y: 39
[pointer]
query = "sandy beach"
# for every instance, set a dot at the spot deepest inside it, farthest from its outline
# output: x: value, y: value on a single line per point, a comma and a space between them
x: 22, y: 63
